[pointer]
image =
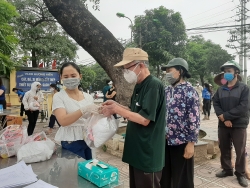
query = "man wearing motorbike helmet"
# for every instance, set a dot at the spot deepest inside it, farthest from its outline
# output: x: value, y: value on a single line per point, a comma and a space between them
x: 231, y: 104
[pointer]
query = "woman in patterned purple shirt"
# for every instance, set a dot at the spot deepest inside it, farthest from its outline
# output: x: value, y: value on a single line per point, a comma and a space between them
x: 182, y: 126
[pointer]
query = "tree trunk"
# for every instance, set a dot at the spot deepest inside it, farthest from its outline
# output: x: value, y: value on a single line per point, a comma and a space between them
x: 94, y: 37
x: 202, y: 80
x: 33, y: 58
x: 158, y: 71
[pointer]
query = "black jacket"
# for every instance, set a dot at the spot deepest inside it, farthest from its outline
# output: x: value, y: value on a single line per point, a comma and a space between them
x: 234, y: 104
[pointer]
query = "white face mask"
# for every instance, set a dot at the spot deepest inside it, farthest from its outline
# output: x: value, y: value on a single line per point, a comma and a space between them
x: 71, y: 83
x: 130, y: 76
x: 169, y: 77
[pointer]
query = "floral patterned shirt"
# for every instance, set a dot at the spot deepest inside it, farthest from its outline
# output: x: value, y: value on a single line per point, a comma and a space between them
x: 182, y: 116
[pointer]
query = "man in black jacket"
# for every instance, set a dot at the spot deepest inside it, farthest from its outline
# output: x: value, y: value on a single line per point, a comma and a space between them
x: 231, y: 104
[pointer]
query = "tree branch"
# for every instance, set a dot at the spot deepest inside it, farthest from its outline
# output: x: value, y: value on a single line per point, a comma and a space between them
x: 94, y: 37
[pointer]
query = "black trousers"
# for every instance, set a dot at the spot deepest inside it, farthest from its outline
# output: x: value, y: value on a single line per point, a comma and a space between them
x: 22, y: 109
x: 140, y: 179
x: 32, y: 117
x: 3, y: 102
x: 238, y: 137
x: 52, y: 121
x: 178, y: 171
x: 206, y: 106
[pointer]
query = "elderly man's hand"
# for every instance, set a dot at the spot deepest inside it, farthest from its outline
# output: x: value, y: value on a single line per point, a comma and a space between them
x: 221, y: 117
x: 228, y: 123
x: 109, y: 108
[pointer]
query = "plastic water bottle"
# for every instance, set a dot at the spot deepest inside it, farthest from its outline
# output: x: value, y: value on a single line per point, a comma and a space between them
x: 1, y: 108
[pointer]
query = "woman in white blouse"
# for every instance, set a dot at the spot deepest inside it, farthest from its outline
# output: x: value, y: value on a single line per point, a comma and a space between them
x: 71, y: 108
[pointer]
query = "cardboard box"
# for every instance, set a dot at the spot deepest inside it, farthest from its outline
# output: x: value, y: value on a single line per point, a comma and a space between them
x: 98, y: 175
x: 14, y: 120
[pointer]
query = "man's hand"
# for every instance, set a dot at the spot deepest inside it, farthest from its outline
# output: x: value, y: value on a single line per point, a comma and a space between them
x: 109, y: 108
x: 189, y: 150
x: 228, y: 123
x: 221, y: 117
x: 36, y: 98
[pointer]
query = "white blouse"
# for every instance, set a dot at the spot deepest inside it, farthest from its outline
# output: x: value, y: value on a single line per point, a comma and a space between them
x: 75, y: 130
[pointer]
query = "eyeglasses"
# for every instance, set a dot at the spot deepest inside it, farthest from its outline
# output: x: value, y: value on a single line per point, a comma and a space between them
x: 132, y: 66
x: 127, y: 69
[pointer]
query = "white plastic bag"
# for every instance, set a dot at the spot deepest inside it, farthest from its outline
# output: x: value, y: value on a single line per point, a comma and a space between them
x: 41, y: 136
x: 34, y: 106
x: 99, y: 129
x: 11, y: 138
x: 36, y: 151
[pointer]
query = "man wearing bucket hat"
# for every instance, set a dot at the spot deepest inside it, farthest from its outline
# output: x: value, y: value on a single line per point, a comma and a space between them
x: 231, y: 104
x: 182, y: 126
x: 145, y: 135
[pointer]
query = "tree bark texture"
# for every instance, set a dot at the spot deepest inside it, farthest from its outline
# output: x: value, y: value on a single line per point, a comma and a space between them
x: 93, y: 37
x: 202, y: 79
x: 33, y: 58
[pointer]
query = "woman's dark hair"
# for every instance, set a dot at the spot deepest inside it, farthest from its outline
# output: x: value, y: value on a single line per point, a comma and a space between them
x: 184, y: 73
x: 75, y: 66
x: 17, y: 89
x: 1, y: 82
x: 206, y: 85
x: 54, y: 86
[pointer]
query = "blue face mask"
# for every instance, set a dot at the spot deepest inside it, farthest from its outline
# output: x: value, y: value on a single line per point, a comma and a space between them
x: 229, y: 76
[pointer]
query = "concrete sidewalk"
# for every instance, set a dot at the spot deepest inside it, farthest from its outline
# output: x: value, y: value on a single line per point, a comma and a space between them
x: 204, y: 172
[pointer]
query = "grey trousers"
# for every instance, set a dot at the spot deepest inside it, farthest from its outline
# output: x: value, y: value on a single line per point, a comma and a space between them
x: 238, y: 137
